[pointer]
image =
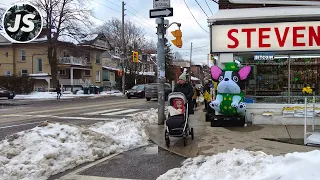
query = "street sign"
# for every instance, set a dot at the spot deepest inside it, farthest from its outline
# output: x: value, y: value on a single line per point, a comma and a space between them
x: 155, y: 13
x: 160, y: 4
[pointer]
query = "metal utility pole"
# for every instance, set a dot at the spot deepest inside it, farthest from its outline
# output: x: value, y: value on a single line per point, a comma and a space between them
x: 208, y: 60
x: 190, y: 63
x: 161, y: 30
x: 123, y: 52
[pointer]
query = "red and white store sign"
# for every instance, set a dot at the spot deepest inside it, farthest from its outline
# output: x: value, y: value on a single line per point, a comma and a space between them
x: 266, y: 37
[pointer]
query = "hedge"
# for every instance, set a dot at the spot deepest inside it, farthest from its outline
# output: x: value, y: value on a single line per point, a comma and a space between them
x: 19, y: 85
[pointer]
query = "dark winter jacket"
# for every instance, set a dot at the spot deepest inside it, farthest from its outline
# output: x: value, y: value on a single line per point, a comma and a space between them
x: 186, y: 89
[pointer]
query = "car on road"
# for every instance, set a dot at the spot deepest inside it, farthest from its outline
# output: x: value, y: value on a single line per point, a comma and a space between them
x: 136, y: 91
x: 7, y: 93
x: 152, y: 91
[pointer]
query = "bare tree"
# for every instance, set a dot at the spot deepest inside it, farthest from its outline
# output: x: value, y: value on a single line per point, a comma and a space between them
x: 62, y: 18
x: 178, y: 56
x: 133, y: 35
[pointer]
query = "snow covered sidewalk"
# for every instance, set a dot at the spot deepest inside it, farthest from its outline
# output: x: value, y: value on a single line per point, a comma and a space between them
x: 247, y: 165
x: 51, y: 148
x: 66, y: 95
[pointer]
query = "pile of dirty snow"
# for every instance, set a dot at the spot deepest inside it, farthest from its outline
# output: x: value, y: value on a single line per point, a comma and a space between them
x: 128, y: 133
x: 244, y: 165
x: 51, y: 148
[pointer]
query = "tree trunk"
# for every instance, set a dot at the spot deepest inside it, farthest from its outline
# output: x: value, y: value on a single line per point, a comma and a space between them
x: 53, y: 65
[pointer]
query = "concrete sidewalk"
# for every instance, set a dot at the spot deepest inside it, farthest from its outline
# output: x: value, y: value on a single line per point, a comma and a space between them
x: 212, y: 140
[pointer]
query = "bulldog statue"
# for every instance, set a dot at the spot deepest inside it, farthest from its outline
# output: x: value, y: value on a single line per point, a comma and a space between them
x: 229, y: 98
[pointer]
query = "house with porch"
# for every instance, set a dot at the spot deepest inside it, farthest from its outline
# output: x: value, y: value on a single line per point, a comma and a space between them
x: 79, y: 61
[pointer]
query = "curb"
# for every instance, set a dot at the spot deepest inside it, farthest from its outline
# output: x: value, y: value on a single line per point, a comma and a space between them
x: 164, y: 147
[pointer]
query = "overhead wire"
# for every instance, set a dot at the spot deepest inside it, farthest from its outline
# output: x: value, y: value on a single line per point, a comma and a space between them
x: 106, y: 6
x: 202, y: 9
x: 209, y: 7
x: 140, y: 19
x: 120, y: 12
x: 194, y: 17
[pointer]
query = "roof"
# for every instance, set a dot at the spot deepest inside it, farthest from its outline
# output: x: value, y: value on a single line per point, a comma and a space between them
x: 265, y: 13
x: 110, y: 68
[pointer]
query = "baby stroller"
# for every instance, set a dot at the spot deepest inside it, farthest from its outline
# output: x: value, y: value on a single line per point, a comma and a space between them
x: 177, y: 124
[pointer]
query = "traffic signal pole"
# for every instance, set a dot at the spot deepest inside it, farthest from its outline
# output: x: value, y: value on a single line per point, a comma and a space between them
x: 163, y: 25
x: 123, y: 52
x: 161, y: 30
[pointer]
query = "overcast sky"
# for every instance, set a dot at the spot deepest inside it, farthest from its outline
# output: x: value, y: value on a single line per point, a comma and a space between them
x: 138, y: 12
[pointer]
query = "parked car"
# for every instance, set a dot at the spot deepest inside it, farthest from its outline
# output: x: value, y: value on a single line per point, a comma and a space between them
x: 136, y: 91
x: 7, y: 93
x: 152, y: 91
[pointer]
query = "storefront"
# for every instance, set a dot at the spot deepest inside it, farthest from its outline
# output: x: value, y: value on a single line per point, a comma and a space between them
x: 283, y: 46
x: 281, y: 43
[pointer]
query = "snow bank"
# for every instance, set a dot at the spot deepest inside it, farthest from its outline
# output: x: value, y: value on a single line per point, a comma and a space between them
x: 51, y: 148
x: 244, y: 165
x: 129, y: 133
x: 66, y: 95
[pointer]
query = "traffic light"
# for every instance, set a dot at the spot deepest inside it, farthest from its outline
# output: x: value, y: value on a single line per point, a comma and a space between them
x: 178, y: 35
x: 120, y: 72
x: 135, y: 56
x: 211, y: 57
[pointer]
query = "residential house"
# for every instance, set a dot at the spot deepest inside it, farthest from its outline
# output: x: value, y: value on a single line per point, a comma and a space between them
x: 79, y: 61
x: 138, y: 73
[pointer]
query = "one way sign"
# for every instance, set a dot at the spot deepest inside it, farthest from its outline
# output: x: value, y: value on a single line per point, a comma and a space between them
x: 155, y: 13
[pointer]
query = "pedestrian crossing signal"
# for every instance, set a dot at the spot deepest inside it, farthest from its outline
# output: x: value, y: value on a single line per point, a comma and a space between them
x: 135, y: 56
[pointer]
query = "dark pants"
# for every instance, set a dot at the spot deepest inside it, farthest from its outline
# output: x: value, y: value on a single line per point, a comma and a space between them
x: 195, y: 103
x: 190, y: 105
x: 58, y: 95
x: 206, y: 104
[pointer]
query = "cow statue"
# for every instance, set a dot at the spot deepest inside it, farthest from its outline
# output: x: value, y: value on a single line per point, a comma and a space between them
x: 229, y: 98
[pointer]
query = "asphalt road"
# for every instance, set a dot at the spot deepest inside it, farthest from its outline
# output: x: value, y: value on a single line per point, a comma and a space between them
x: 19, y: 115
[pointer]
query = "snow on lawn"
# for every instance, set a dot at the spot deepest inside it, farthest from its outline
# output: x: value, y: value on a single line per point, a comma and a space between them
x: 66, y: 95
x: 51, y: 148
x: 245, y: 165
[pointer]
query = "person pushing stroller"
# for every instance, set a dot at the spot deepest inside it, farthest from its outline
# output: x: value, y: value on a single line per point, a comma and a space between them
x: 186, y: 89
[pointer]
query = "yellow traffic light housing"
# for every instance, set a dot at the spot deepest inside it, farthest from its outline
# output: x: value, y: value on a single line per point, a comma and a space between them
x: 211, y: 57
x: 135, y: 56
x: 120, y: 72
x: 178, y: 35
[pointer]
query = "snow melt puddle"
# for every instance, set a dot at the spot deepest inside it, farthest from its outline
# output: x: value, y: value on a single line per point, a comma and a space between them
x: 245, y: 165
x: 51, y: 148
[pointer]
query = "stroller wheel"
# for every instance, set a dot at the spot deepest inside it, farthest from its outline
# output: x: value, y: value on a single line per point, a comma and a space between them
x: 184, y: 141
x: 191, y: 133
x: 168, y: 142
x: 166, y: 137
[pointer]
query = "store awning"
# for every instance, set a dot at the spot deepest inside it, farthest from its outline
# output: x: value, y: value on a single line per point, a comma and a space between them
x: 265, y: 13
